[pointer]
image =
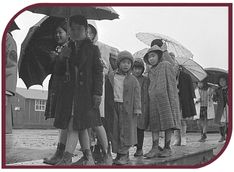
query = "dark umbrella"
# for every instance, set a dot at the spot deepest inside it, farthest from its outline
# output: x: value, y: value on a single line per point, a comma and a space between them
x: 34, y: 60
x: 13, y: 27
x: 95, y: 13
x: 214, y: 74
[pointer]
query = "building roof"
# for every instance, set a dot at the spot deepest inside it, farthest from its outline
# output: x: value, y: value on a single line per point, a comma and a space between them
x: 32, y: 93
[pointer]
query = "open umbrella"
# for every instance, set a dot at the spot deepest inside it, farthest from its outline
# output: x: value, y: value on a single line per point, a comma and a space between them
x: 95, y: 13
x: 214, y: 74
x: 172, y: 45
x: 191, y: 67
x: 34, y: 57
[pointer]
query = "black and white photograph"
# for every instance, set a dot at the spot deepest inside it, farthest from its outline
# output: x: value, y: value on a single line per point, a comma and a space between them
x: 116, y: 85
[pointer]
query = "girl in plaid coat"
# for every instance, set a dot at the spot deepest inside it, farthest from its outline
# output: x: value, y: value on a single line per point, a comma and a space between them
x: 163, y: 101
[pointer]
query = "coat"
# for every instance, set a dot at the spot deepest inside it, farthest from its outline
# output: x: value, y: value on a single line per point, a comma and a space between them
x: 186, y: 95
x: 75, y: 96
x: 11, y: 65
x: 221, y: 105
x: 143, y: 119
x: 164, y: 100
x: 131, y: 104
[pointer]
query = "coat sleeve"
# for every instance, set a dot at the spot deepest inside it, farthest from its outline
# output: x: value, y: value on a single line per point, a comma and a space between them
x: 137, y: 98
x: 97, y: 73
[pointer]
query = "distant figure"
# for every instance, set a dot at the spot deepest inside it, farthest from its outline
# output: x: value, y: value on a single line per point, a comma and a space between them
x: 221, y: 116
x: 11, y: 75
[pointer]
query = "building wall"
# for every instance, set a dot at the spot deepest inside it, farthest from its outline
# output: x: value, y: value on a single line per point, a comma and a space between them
x: 26, y: 117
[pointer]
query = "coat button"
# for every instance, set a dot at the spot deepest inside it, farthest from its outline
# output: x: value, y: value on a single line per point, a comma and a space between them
x: 81, y: 83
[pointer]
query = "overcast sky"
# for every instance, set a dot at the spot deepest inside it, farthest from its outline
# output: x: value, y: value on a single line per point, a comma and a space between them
x: 202, y: 30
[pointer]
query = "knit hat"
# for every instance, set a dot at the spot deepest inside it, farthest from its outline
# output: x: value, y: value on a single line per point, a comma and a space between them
x: 155, y: 48
x: 124, y: 55
x: 138, y: 62
x: 78, y: 19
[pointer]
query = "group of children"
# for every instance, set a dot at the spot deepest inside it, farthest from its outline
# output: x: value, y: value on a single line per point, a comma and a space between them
x: 131, y: 102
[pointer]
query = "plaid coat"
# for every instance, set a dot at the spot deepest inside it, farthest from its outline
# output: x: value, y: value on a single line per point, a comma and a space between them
x: 164, y: 100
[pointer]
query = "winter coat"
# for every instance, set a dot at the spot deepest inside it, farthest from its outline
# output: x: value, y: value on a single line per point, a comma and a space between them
x: 11, y: 65
x: 86, y: 80
x: 143, y: 119
x: 132, y: 105
x: 186, y: 95
x: 164, y: 100
x: 221, y: 105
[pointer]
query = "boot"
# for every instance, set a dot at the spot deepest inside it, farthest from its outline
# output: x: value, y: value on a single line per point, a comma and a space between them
x: 116, y: 158
x: 107, y: 158
x: 139, y: 152
x: 165, y: 153
x: 203, y: 138
x: 57, y: 155
x: 123, y: 159
x: 177, y: 141
x: 222, y: 132
x: 154, y: 152
x: 97, y: 154
x: 86, y: 159
x: 66, y: 159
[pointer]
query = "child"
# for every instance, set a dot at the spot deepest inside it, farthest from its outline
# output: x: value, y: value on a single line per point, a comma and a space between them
x: 77, y: 107
x: 164, y: 101
x: 205, y: 94
x: 143, y: 120
x: 221, y: 116
x: 61, y: 39
x: 124, y: 100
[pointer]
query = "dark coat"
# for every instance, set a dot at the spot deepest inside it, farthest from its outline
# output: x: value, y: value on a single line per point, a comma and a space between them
x: 86, y: 80
x: 186, y: 95
x: 221, y: 103
x: 143, y: 119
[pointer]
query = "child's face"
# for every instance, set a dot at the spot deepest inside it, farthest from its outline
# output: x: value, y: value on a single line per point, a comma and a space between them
x: 222, y: 82
x: 77, y: 32
x: 137, y: 71
x: 200, y: 84
x: 153, y: 58
x: 90, y: 34
x: 60, y: 35
x: 125, y: 65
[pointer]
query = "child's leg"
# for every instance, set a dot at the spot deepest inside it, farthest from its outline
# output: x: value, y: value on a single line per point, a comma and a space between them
x: 183, y: 132
x: 60, y: 149
x: 154, y: 150
x: 168, y: 134
x: 140, y: 138
x: 72, y: 139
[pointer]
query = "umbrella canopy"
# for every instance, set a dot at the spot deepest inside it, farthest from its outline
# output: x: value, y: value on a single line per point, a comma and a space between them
x: 172, y: 45
x: 189, y: 66
x: 34, y: 57
x: 95, y: 13
x: 214, y: 74
x: 13, y: 27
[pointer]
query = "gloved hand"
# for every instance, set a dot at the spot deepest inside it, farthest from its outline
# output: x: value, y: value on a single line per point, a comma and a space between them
x: 96, y: 101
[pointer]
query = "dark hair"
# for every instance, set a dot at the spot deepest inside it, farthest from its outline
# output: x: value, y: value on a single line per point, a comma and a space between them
x: 93, y: 29
x: 157, y: 42
x: 205, y: 84
x: 63, y: 25
x: 78, y: 19
x: 224, y: 77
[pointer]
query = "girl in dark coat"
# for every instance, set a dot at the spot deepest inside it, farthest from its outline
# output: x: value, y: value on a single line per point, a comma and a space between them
x: 79, y: 95
x: 61, y: 38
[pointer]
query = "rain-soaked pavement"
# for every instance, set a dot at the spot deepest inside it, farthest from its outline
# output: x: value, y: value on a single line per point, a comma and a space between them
x: 31, y: 146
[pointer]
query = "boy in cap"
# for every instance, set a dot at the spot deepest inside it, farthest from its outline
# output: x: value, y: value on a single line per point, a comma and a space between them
x: 125, y: 101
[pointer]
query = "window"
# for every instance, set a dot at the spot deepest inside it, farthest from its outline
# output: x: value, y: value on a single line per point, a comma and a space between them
x: 40, y: 105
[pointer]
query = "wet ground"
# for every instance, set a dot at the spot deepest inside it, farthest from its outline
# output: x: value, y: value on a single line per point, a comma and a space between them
x: 27, y: 145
